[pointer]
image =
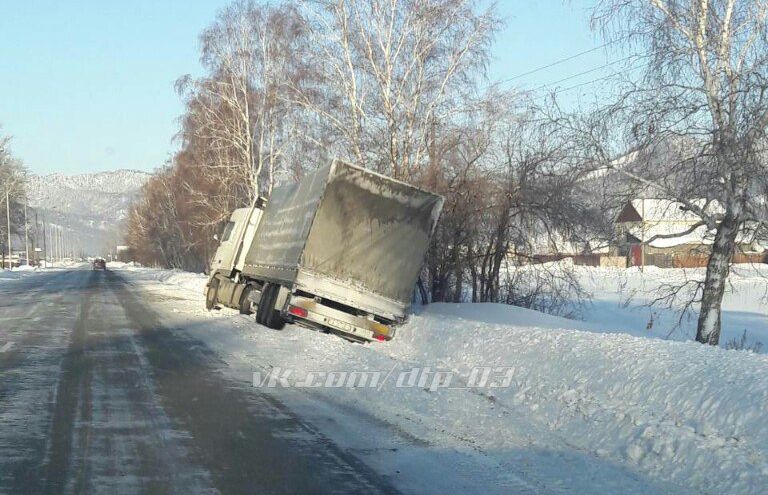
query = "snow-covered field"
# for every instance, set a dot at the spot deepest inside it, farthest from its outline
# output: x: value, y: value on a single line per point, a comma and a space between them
x: 620, y: 298
x: 585, y: 407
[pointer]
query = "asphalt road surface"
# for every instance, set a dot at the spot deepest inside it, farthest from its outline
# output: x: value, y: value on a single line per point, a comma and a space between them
x: 97, y: 397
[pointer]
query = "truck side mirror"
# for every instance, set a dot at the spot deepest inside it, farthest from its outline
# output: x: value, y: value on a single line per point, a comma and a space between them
x: 215, y: 237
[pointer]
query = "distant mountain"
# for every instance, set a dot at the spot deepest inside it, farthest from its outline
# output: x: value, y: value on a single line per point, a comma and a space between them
x: 89, y: 206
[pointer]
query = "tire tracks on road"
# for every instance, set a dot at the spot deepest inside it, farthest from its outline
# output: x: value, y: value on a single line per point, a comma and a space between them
x: 75, y: 377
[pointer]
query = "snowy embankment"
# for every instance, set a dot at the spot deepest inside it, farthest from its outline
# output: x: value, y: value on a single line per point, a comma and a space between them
x: 584, y: 410
x: 683, y: 412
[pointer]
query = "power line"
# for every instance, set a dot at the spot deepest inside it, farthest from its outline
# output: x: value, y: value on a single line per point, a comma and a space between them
x: 592, y: 81
x: 595, y: 69
x: 561, y: 61
x: 586, y: 83
x: 638, y: 66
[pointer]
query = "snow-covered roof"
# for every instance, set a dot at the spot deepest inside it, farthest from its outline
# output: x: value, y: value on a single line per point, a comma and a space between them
x: 645, y: 218
x: 699, y: 236
x: 665, y: 210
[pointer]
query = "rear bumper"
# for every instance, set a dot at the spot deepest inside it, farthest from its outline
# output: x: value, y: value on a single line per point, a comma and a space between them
x: 304, y: 309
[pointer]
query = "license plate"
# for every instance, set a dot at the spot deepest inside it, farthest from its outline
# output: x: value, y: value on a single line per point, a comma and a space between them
x: 341, y: 325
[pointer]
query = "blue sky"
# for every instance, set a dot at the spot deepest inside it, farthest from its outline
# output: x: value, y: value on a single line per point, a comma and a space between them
x: 88, y: 85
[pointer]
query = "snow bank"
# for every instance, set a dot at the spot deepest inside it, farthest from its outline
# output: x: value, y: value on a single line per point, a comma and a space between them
x: 186, y: 281
x: 684, y: 412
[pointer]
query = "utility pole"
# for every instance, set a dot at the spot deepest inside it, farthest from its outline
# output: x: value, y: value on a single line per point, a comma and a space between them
x: 45, y: 244
x: 54, y: 237
x: 55, y: 242
x: 8, y: 221
x: 26, y: 233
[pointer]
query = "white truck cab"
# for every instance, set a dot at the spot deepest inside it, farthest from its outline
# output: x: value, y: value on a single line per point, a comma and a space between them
x: 230, y: 255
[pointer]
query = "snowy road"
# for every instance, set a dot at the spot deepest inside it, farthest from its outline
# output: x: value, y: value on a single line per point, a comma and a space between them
x: 96, y: 396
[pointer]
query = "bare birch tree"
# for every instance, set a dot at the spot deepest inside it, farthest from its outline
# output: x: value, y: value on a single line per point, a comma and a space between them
x: 237, y: 110
x: 388, y: 71
x: 705, y: 89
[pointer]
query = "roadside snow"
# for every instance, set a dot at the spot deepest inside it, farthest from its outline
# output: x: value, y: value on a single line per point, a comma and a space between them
x: 588, y: 409
x: 17, y: 273
x: 621, y: 297
x: 26, y: 271
x: 683, y: 412
x: 190, y: 283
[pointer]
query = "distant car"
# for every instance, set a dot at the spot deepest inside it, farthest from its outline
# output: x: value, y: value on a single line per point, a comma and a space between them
x: 99, y: 264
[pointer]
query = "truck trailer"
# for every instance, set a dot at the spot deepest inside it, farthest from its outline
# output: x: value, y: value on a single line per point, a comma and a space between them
x: 339, y: 251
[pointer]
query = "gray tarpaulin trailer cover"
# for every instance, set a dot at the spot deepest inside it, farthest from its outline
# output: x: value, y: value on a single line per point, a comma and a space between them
x: 346, y: 234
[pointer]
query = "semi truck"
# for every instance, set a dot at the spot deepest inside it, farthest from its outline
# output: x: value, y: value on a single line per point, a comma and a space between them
x: 339, y: 251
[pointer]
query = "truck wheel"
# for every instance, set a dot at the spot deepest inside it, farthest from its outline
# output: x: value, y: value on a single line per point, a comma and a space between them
x: 272, y: 317
x: 261, y: 310
x: 211, y: 294
x: 267, y: 315
x: 245, y: 303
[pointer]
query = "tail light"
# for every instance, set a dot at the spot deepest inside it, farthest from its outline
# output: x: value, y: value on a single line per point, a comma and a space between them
x: 297, y: 311
x: 380, y: 338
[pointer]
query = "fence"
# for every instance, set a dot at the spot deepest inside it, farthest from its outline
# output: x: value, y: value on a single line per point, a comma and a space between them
x: 677, y: 260
x: 603, y: 260
x: 661, y: 260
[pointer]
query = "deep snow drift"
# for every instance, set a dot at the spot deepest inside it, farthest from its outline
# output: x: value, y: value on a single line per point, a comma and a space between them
x: 586, y: 407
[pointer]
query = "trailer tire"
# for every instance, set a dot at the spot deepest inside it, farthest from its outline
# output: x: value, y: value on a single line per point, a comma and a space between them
x: 274, y: 319
x: 245, y: 303
x: 261, y: 310
x: 212, y: 294
x: 266, y: 314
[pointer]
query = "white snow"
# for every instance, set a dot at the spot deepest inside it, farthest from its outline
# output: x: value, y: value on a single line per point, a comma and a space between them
x: 591, y: 406
x: 621, y: 296
x: 16, y: 273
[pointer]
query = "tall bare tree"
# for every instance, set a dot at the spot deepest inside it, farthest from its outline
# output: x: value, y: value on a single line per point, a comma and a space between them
x: 238, y: 109
x: 390, y: 70
x: 512, y: 179
x: 705, y: 90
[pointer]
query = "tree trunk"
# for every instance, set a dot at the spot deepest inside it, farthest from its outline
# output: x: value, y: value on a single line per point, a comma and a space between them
x: 458, y: 273
x: 718, y: 268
